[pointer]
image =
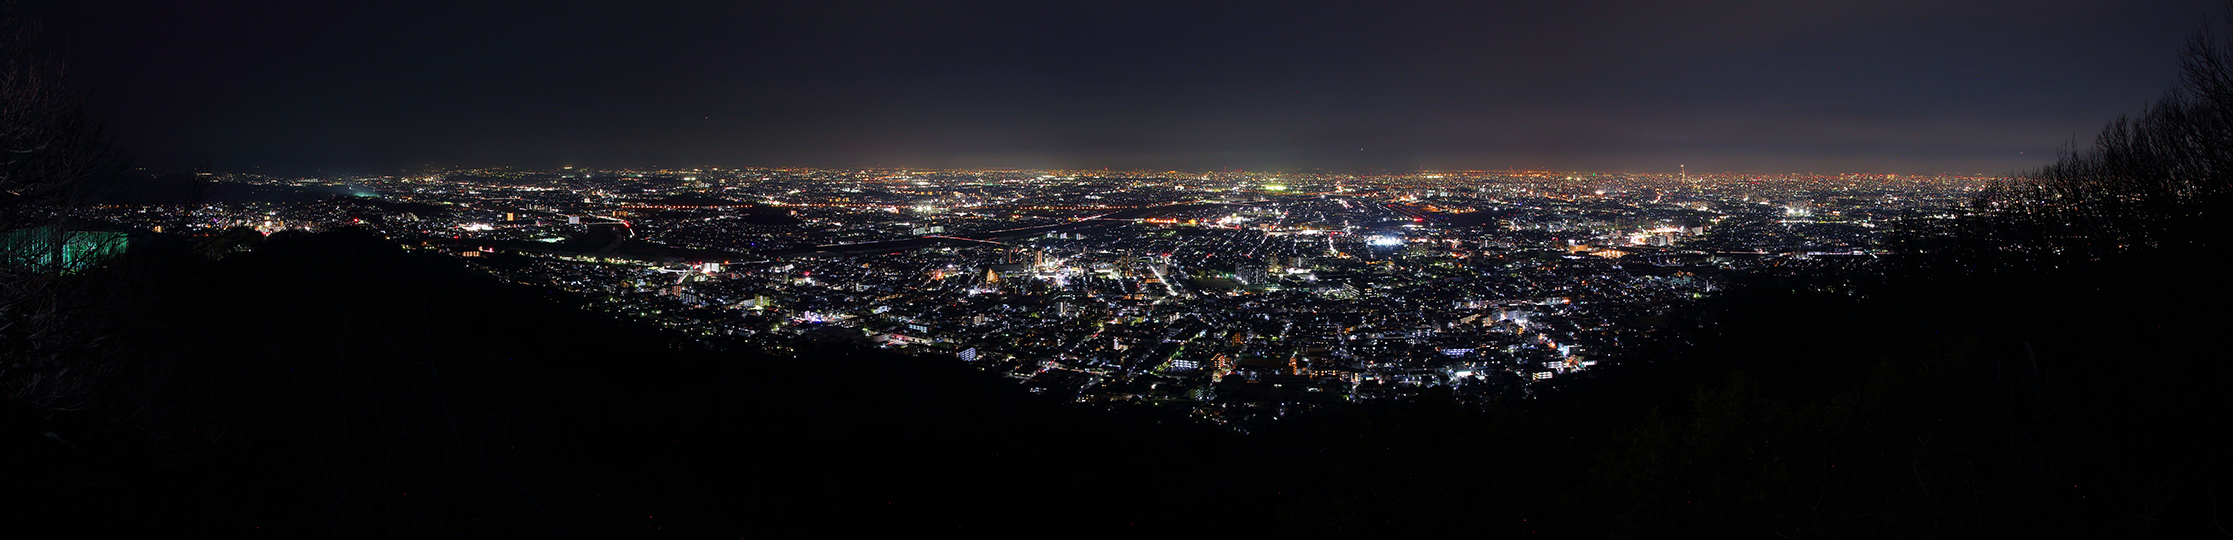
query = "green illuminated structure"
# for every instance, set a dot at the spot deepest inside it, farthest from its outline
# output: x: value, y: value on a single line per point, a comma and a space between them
x: 45, y: 248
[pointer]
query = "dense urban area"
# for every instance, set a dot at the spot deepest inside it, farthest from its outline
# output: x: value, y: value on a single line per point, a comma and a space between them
x: 1239, y: 297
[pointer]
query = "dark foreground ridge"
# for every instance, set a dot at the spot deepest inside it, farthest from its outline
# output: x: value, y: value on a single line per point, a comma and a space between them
x: 337, y: 385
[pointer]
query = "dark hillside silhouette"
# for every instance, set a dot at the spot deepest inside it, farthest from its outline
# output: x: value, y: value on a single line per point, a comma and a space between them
x: 2077, y: 402
x: 334, y: 384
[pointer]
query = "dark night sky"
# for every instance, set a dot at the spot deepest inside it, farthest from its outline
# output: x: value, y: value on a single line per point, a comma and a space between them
x: 1769, y: 85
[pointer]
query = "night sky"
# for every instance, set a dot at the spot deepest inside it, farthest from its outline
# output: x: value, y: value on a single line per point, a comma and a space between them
x: 1772, y: 85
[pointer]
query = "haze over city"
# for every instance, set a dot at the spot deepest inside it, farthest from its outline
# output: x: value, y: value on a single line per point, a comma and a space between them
x: 1914, y: 87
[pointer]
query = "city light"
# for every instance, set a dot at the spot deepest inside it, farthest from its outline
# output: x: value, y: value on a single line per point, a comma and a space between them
x: 1104, y: 279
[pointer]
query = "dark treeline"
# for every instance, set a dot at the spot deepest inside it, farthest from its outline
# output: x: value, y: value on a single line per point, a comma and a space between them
x: 53, y: 154
x: 337, y: 385
x: 2157, y: 180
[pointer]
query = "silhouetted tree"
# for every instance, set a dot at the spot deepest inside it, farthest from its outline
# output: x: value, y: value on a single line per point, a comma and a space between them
x: 2159, y: 179
x: 53, y: 157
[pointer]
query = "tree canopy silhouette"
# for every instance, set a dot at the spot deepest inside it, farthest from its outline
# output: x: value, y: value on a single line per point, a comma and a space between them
x: 2160, y: 179
x: 53, y: 156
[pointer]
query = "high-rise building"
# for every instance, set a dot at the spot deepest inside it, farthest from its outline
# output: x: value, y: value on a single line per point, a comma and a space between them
x: 1253, y: 275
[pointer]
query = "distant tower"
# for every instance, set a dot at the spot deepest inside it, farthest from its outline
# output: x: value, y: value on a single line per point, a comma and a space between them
x: 1684, y: 171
